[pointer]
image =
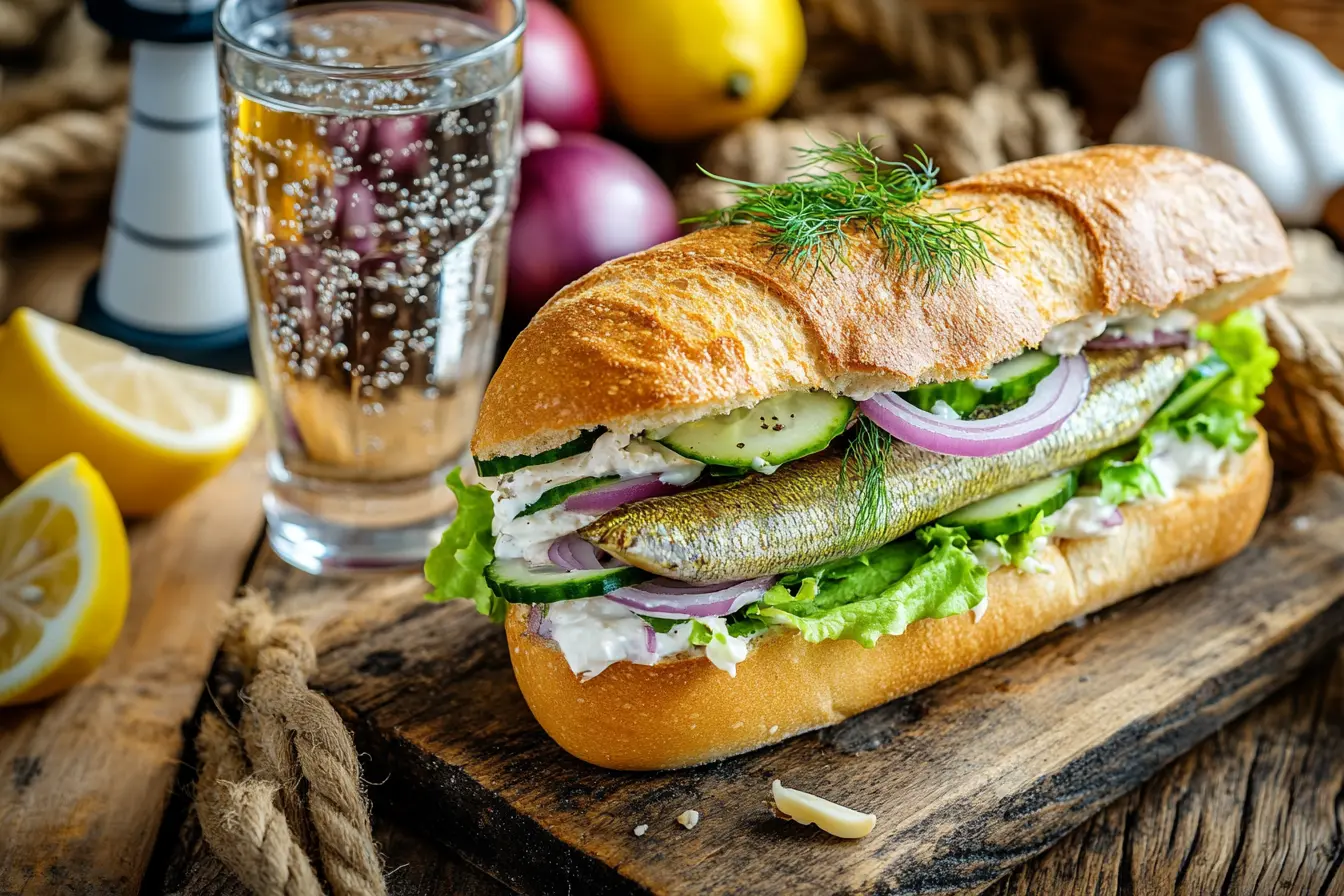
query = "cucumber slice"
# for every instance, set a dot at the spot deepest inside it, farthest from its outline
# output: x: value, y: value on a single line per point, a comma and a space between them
x: 779, y: 429
x: 1018, y: 377
x: 960, y: 395
x: 519, y: 583
x: 553, y: 496
x: 1007, y: 382
x: 498, y: 466
x: 1013, y: 511
x: 1202, y: 379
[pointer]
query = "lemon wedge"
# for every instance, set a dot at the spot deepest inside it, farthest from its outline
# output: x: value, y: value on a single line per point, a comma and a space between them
x: 154, y: 429
x: 64, y: 580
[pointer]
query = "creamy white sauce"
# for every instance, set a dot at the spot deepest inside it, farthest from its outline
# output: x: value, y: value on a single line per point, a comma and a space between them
x: 943, y: 409
x: 989, y: 555
x: 1141, y: 327
x: 1083, y: 517
x: 530, y: 537
x: 760, y: 466
x: 594, y: 632
x: 1070, y: 338
x: 1030, y: 563
x: 1176, y: 462
x: 612, y: 454
x: 985, y: 384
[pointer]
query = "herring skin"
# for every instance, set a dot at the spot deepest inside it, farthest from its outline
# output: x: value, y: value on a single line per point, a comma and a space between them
x: 764, y: 525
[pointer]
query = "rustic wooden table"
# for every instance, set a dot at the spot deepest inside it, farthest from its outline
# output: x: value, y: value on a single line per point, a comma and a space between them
x: 95, y: 789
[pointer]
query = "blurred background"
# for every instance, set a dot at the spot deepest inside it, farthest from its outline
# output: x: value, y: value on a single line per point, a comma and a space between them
x: 736, y: 85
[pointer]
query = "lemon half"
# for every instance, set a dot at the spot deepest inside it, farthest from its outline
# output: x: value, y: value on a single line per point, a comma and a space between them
x: 64, y: 580
x: 154, y: 429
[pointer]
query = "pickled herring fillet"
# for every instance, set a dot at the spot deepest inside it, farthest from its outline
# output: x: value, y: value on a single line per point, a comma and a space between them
x: 799, y: 516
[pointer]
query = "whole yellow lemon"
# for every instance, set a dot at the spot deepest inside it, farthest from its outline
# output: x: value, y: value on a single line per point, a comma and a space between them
x: 681, y: 69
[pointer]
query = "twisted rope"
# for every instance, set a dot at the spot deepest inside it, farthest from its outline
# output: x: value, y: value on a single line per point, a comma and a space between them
x: 65, y: 158
x: 291, y: 737
x: 932, y: 53
x: 22, y: 22
x: 965, y: 135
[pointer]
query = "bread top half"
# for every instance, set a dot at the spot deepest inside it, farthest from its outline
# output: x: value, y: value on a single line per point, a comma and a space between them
x: 710, y: 321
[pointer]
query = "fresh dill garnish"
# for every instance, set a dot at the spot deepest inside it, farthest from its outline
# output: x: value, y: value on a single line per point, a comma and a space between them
x: 868, y: 450
x: 849, y: 189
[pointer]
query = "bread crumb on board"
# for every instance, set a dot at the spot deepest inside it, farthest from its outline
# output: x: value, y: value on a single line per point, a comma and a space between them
x: 688, y: 819
x: 641, y: 830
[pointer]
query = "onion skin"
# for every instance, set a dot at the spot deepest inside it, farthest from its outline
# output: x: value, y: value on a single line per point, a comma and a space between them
x: 582, y: 202
x: 560, y: 84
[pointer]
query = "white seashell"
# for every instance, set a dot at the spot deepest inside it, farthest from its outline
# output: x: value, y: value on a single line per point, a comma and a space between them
x: 1256, y: 97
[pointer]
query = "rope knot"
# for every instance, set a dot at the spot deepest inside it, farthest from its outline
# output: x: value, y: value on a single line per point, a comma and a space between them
x: 273, y: 832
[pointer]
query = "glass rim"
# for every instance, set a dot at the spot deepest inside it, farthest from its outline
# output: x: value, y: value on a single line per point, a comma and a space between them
x: 410, y: 70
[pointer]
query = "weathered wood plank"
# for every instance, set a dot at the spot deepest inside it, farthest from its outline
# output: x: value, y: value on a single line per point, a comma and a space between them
x: 84, y: 777
x: 968, y: 779
x: 1258, y: 807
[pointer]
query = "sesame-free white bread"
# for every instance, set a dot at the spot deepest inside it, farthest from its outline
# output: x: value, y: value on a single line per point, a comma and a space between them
x: 709, y: 322
x: 686, y: 711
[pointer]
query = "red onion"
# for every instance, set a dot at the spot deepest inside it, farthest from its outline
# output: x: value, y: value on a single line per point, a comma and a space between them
x: 670, y: 599
x: 560, y: 85
x: 1115, y: 519
x: 357, y: 215
x: 537, y: 622
x: 349, y: 134
x: 1056, y: 397
x: 1159, y: 338
x: 613, y: 495
x: 403, y: 144
x: 582, y: 202
x: 572, y: 553
x: 650, y: 639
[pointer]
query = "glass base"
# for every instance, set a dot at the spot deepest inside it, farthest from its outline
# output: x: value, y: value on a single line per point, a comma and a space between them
x: 325, y: 526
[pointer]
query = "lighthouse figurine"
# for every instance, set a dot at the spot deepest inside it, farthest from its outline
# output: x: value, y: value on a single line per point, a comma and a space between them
x: 171, y: 281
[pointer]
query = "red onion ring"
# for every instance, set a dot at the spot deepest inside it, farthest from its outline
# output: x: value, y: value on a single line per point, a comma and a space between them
x: 1056, y: 397
x: 572, y: 553
x: 670, y: 599
x: 1159, y: 339
x: 614, y: 494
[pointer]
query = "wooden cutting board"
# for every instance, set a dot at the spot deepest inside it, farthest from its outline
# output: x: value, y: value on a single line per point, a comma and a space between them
x: 968, y: 778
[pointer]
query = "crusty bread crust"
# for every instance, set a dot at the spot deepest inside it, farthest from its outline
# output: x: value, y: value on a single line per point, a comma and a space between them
x: 686, y: 712
x: 709, y: 322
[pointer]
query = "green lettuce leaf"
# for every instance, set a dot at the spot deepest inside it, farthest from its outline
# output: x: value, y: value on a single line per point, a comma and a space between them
x: 456, y: 566
x: 1017, y: 546
x: 1223, y: 417
x: 928, y: 575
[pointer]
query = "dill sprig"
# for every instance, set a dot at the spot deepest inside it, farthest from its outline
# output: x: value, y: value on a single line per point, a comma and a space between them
x: 848, y: 189
x: 868, y: 450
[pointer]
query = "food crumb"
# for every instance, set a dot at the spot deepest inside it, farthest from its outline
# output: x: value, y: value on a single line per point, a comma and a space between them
x: 1301, y: 523
x: 641, y: 830
x: 688, y: 819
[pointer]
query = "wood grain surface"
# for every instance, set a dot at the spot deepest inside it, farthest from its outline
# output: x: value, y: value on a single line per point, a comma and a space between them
x: 85, y: 777
x: 968, y: 779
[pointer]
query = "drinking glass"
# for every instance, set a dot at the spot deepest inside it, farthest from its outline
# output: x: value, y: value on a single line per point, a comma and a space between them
x: 372, y: 159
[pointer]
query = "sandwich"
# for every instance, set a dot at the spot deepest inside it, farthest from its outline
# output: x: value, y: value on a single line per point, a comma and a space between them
x: 863, y: 432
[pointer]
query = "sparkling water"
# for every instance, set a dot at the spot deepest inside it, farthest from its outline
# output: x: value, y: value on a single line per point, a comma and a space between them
x: 372, y: 172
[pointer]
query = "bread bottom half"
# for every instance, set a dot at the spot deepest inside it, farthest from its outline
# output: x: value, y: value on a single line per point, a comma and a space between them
x: 686, y: 712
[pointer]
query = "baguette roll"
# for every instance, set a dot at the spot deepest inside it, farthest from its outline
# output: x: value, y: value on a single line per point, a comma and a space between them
x: 684, y: 712
x: 710, y: 322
